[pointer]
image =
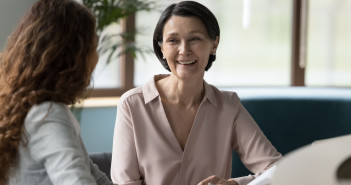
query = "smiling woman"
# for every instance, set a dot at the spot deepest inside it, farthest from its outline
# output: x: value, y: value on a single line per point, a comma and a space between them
x: 177, y: 124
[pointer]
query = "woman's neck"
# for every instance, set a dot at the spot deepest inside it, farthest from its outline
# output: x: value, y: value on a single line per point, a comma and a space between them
x: 186, y: 92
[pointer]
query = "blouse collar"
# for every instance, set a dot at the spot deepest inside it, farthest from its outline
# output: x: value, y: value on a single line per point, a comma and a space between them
x: 150, y: 91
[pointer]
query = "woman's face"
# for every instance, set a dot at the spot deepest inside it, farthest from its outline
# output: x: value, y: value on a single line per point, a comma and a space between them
x: 187, y: 46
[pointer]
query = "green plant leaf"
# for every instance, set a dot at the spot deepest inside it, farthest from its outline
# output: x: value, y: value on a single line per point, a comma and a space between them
x: 108, y: 12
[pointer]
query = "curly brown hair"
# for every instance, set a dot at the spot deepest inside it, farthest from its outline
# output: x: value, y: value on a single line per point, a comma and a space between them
x: 46, y: 59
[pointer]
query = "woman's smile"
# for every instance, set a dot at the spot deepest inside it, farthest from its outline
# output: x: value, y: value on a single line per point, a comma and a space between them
x: 186, y: 62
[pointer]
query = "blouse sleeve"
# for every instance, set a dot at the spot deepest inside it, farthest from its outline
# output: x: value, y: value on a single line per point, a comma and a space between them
x: 124, y: 165
x: 254, y: 149
x: 53, y: 142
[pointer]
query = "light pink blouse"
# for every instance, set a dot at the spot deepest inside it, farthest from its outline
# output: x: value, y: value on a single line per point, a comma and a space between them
x: 146, y: 152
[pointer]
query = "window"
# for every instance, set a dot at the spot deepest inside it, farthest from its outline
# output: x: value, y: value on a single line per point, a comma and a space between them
x: 262, y: 44
x: 254, y: 47
x: 106, y: 75
x: 329, y: 43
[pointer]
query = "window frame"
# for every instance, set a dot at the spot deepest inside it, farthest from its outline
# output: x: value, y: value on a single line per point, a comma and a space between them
x: 126, y: 67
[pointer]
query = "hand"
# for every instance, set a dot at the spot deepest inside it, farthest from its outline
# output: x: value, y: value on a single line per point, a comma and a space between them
x: 217, y: 181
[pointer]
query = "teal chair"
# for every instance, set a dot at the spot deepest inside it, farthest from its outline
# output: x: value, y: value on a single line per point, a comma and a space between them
x: 290, y: 122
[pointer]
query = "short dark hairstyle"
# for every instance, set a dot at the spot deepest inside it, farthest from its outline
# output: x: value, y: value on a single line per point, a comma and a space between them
x: 185, y: 9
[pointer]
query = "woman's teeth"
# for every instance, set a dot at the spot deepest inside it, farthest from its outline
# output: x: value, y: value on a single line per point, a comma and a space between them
x: 186, y: 62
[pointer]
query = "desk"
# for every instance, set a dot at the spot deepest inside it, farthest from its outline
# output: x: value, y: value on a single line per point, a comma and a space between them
x: 313, y: 164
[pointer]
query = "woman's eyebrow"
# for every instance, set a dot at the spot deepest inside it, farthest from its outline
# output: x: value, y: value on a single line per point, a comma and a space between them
x: 192, y: 32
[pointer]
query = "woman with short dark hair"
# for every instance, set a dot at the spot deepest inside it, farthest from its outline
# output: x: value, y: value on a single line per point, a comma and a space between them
x: 177, y: 129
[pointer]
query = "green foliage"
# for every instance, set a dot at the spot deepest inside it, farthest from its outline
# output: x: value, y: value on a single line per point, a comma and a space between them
x: 109, y: 12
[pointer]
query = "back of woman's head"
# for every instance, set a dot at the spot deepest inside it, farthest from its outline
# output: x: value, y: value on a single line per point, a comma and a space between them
x: 48, y: 50
x: 45, y: 60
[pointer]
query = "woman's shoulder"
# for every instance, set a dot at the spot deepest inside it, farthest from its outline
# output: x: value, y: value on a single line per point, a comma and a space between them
x: 225, y: 95
x: 47, y: 108
x: 140, y: 94
x: 41, y: 110
x: 130, y: 94
x: 230, y: 95
x: 48, y: 112
x: 48, y: 117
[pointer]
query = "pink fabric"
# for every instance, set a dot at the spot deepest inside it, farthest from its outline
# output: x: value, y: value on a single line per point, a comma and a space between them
x: 146, y: 152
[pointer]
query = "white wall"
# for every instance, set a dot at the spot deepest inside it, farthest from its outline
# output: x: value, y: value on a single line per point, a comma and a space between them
x: 11, y: 12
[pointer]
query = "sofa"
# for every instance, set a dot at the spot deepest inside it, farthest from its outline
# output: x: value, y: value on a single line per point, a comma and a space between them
x: 290, y: 117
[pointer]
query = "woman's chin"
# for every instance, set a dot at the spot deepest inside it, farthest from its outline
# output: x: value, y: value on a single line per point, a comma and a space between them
x: 188, y: 74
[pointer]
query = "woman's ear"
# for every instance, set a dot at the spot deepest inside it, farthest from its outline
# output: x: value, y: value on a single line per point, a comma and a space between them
x: 163, y: 55
x: 161, y: 47
x: 215, y: 45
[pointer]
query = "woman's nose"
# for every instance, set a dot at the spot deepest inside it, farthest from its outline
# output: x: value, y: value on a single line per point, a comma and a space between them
x: 184, y: 48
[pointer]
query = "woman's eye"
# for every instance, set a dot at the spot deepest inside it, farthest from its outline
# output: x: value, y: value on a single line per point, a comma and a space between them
x: 195, y: 39
x: 172, y: 41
